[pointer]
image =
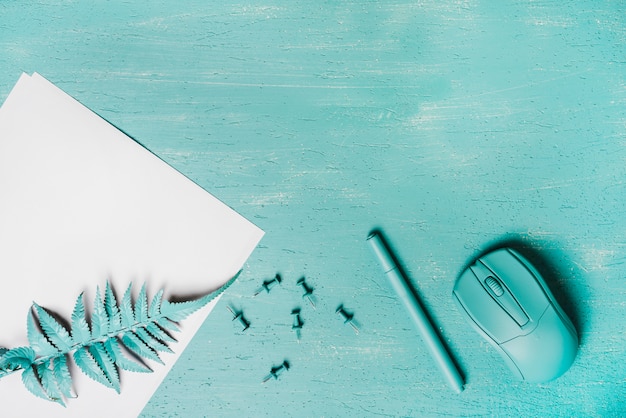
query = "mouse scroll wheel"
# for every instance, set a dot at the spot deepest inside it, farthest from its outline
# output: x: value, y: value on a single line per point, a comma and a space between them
x: 494, y: 285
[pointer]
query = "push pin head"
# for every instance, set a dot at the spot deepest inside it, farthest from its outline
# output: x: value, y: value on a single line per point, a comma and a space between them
x: 348, y: 318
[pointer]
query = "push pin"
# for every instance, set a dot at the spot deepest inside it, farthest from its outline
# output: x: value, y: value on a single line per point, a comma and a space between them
x: 238, y: 315
x: 277, y: 371
x: 268, y: 284
x: 297, y: 322
x: 348, y: 318
x: 308, y: 291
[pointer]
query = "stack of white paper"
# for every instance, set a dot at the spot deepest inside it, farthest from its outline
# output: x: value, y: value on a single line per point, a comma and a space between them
x: 82, y: 203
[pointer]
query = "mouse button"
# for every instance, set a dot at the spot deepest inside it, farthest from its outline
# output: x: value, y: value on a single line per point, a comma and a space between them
x: 500, y: 292
x: 547, y: 352
x: 514, y: 272
x: 507, y: 301
x: 483, y: 310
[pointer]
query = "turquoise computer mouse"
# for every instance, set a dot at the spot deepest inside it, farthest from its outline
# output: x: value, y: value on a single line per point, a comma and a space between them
x: 507, y: 301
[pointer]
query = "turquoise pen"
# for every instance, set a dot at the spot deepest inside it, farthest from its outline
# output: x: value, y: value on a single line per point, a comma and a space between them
x: 405, y: 292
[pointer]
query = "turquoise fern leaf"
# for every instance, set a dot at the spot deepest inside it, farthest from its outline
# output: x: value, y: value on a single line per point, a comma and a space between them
x: 113, y: 348
x: 17, y: 358
x: 49, y: 383
x: 37, y: 340
x: 112, y: 310
x: 55, y: 332
x: 32, y: 383
x: 62, y: 376
x: 98, y: 346
x: 80, y: 328
x: 126, y: 308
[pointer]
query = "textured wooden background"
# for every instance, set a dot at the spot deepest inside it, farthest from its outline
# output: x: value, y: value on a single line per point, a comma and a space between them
x: 453, y: 125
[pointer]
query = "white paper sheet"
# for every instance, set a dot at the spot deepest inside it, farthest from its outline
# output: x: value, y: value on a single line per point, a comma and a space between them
x: 82, y: 203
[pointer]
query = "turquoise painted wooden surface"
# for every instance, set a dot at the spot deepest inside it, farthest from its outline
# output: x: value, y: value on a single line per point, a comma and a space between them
x: 453, y: 126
